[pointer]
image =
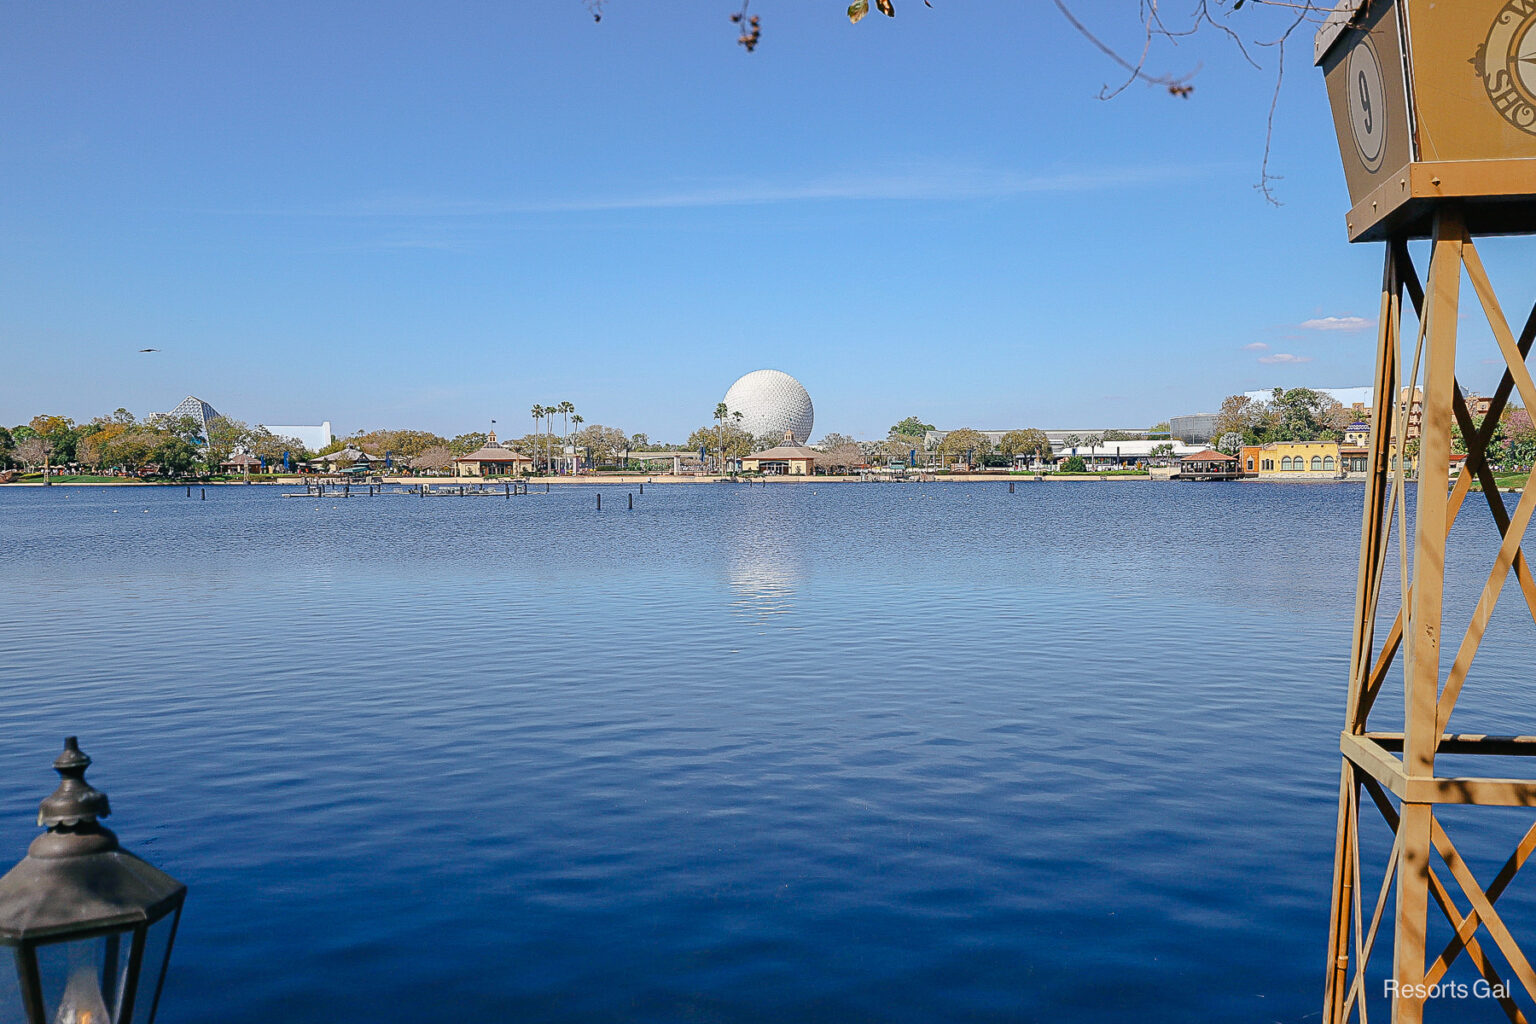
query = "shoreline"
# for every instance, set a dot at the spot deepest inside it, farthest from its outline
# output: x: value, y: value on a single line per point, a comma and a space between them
x: 637, y: 479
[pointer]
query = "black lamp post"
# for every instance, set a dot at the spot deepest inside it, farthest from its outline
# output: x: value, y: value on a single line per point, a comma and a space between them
x: 84, y: 918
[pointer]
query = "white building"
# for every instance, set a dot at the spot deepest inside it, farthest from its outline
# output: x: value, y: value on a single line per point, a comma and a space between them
x: 1344, y: 396
x: 313, y: 438
x: 1124, y: 453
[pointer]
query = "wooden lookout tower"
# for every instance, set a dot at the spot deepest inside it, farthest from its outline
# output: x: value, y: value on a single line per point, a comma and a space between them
x: 1434, y: 102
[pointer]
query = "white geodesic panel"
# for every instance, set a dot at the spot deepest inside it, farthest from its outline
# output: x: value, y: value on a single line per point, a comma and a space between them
x: 771, y: 402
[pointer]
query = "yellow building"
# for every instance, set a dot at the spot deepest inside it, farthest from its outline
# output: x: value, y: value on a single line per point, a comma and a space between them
x: 789, y: 458
x: 1299, y: 460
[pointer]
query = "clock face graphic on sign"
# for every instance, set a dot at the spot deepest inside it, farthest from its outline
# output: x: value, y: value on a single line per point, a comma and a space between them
x: 1367, y: 104
x: 1507, y: 64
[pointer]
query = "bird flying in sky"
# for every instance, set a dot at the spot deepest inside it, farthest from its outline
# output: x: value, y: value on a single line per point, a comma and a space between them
x: 149, y: 350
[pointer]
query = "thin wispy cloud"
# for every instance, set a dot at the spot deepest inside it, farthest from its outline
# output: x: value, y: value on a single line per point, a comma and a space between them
x: 930, y: 184
x: 1255, y: 346
x: 1336, y: 323
x: 1283, y: 357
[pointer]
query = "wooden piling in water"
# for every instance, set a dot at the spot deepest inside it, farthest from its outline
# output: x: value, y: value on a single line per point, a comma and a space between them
x: 205, y: 493
x: 599, y: 501
x: 1010, y: 487
x: 631, y: 501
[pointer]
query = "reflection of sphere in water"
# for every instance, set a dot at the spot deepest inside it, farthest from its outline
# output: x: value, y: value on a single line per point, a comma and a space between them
x: 766, y: 569
x: 771, y: 402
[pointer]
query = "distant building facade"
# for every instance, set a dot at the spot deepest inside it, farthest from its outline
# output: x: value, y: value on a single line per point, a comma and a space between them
x: 1208, y: 464
x: 195, y: 409
x: 492, y: 459
x: 1299, y: 460
x: 312, y: 438
x: 1124, y: 454
x: 791, y: 458
x: 1196, y: 428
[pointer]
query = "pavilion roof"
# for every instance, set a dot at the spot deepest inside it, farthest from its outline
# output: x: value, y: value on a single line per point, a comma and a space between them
x: 789, y: 449
x: 493, y: 451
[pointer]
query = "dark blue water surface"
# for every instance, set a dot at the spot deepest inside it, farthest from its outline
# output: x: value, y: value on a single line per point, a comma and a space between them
x: 817, y: 752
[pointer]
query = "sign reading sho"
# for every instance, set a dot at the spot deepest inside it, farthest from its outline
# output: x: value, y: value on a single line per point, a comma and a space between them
x: 1434, y: 100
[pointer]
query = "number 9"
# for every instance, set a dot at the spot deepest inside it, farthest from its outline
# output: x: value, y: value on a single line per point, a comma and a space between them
x: 1365, y: 103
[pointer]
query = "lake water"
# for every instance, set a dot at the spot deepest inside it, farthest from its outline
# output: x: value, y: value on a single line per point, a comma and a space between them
x: 818, y: 752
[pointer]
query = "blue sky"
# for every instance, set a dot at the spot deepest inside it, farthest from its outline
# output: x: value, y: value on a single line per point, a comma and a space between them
x: 393, y: 214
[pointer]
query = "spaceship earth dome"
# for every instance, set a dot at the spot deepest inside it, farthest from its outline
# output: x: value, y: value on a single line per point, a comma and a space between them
x: 771, y: 402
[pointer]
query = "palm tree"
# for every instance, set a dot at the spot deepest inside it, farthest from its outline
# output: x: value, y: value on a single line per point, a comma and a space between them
x: 721, y: 412
x: 537, y: 412
x: 576, y: 421
x: 549, y: 435
x: 1093, y: 441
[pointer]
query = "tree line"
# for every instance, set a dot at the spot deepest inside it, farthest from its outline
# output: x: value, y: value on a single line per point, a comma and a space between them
x: 119, y: 442
x: 1302, y: 414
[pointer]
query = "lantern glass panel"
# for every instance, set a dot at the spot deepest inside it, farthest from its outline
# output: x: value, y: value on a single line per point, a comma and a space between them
x: 157, y: 951
x: 10, y: 985
x: 82, y: 980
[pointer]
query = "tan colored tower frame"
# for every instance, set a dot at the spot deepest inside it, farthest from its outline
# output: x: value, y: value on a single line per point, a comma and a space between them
x: 1396, y: 769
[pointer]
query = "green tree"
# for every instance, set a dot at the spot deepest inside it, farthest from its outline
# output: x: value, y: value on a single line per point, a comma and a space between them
x: 92, y: 448
x: 1074, y: 464
x: 1031, y: 442
x: 466, y: 443
x: 132, y: 450
x: 1012, y: 443
x: 1497, y: 441
x: 537, y: 412
x: 1115, y: 435
x: 225, y: 436
x: 269, y: 446
x: 406, y: 444
x: 174, y: 455
x: 967, y: 441
x: 912, y: 426
x: 605, y: 443
x: 1306, y: 415
x: 722, y: 413
x: 727, y: 440
x: 59, y: 436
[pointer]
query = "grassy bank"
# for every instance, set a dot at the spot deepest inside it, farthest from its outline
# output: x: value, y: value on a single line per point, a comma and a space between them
x: 1506, y: 480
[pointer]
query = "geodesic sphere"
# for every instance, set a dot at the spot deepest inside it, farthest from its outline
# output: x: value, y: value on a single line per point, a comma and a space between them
x: 771, y: 402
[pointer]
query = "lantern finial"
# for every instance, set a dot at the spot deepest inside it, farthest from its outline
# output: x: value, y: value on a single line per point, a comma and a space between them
x: 75, y: 800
